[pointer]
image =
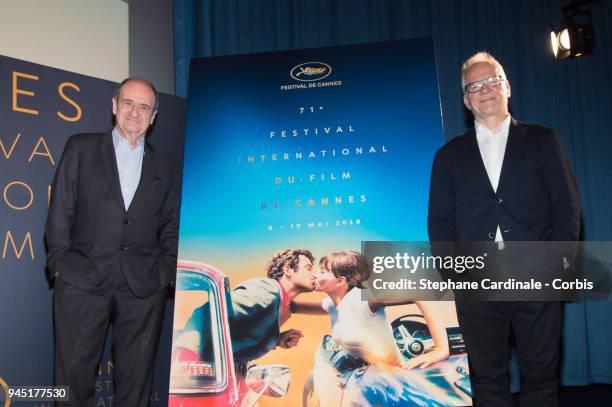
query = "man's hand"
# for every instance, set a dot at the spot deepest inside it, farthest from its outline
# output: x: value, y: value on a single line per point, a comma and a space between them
x: 289, y: 339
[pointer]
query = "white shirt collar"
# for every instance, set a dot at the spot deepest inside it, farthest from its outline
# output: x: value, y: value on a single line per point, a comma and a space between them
x: 118, y: 140
x: 483, y: 131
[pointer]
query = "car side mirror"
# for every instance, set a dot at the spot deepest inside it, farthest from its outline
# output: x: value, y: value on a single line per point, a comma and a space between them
x: 271, y: 380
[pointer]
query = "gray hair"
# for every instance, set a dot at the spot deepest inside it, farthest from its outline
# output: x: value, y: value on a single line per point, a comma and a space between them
x: 478, y: 57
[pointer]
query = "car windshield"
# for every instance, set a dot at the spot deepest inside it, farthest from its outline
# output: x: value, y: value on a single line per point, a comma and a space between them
x: 197, y: 351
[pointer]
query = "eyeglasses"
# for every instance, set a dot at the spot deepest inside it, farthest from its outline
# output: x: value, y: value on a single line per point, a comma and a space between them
x: 491, y: 82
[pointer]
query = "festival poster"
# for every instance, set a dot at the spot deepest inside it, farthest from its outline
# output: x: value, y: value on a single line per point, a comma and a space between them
x: 318, y: 150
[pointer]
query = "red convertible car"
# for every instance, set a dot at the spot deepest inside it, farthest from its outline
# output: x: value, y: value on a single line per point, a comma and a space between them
x: 203, y: 371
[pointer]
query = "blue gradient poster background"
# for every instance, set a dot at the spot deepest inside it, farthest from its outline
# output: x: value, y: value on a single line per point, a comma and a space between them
x: 281, y: 157
x: 387, y: 105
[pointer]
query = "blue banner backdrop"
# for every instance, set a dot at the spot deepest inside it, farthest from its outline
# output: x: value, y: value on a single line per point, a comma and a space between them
x: 317, y: 149
x: 40, y: 107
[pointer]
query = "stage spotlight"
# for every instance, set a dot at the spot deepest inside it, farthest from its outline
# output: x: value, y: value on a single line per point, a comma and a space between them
x: 572, y: 41
x: 575, y: 37
x: 560, y: 43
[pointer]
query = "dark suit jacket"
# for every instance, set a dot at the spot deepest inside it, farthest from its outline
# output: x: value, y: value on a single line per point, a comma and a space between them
x: 90, y: 235
x: 536, y: 199
x: 253, y: 318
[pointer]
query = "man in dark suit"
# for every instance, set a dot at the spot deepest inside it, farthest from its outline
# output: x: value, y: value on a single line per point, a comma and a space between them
x: 112, y: 243
x: 504, y: 181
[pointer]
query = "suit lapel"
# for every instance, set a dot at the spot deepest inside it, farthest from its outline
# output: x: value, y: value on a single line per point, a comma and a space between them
x: 110, y: 163
x: 516, y: 137
x: 475, y: 157
x: 147, y: 175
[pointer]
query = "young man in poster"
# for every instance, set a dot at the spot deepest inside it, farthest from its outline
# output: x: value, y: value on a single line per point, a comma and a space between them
x: 501, y: 181
x: 259, y: 307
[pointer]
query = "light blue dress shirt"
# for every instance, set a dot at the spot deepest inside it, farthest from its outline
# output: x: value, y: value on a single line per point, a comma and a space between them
x: 129, y: 165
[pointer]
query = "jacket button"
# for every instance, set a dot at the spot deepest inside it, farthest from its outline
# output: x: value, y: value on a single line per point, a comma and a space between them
x: 491, y: 236
x: 499, y: 201
x: 124, y: 248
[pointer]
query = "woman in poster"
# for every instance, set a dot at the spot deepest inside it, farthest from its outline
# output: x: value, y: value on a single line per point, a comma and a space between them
x: 360, y: 328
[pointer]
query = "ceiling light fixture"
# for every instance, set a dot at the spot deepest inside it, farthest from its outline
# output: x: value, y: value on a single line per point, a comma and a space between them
x: 575, y: 37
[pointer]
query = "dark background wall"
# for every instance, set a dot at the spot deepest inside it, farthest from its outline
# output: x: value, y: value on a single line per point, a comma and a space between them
x: 152, y: 42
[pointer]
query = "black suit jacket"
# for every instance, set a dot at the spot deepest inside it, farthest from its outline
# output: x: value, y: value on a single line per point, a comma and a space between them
x: 536, y: 199
x: 91, y: 236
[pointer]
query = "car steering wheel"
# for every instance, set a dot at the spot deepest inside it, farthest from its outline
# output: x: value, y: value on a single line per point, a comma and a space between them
x: 412, y: 337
